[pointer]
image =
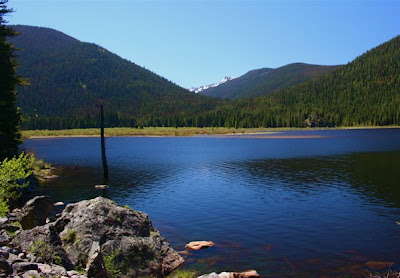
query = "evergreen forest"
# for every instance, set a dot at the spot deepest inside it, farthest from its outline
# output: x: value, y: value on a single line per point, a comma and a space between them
x: 69, y: 79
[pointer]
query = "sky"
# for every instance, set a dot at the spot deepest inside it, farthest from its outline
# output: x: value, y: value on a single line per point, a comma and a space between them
x: 198, y: 42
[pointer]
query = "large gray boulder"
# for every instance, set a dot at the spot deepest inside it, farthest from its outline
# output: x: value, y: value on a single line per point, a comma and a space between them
x: 129, y: 246
x: 104, y: 239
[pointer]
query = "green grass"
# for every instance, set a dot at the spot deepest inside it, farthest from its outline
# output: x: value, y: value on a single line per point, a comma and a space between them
x: 163, y: 131
x: 147, y: 131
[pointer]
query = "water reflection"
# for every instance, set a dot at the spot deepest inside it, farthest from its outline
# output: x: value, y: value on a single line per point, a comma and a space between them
x: 371, y: 175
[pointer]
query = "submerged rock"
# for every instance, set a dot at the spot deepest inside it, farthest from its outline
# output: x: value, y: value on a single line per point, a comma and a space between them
x: 244, y: 274
x: 197, y: 245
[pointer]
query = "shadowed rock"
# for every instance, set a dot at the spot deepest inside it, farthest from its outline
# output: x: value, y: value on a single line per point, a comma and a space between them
x: 34, y: 212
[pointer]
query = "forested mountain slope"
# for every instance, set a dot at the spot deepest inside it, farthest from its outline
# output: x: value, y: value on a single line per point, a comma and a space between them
x: 69, y: 79
x: 364, y: 92
x: 266, y: 80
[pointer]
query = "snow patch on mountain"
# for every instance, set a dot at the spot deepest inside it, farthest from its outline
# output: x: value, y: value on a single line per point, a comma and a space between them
x: 205, y: 87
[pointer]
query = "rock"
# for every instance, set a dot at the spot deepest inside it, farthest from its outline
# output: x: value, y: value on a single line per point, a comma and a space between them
x: 378, y: 265
x: 124, y: 237
x: 4, y: 255
x: 10, y: 250
x: 3, y: 220
x: 58, y: 270
x: 44, y: 268
x: 210, y: 275
x: 50, y: 177
x: 58, y: 204
x: 95, y: 265
x: 23, y: 267
x: 31, y: 274
x: 91, y: 235
x: 244, y: 274
x: 172, y: 259
x: 197, y: 245
x: 101, y: 186
x: 5, y: 268
x: 44, y: 243
x: 72, y: 273
x: 14, y: 259
x: 34, y: 212
x: 4, y: 238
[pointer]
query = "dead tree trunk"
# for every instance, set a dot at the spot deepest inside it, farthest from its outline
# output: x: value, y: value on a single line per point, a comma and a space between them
x: 103, y: 144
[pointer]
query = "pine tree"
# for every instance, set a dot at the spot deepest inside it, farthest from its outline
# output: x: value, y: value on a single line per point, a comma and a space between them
x: 9, y: 115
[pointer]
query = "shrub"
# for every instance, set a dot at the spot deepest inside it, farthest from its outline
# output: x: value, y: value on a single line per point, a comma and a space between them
x: 109, y: 264
x: 13, y: 173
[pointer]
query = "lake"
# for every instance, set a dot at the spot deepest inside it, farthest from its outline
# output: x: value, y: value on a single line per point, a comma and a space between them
x: 296, y: 203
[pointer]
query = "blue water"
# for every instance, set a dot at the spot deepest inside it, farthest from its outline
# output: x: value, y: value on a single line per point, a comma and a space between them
x: 292, y: 206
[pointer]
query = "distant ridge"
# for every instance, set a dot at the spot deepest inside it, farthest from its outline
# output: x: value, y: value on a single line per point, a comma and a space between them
x: 266, y: 80
x: 365, y: 92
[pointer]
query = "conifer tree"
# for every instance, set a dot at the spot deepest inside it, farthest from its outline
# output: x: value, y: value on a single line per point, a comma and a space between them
x: 9, y: 115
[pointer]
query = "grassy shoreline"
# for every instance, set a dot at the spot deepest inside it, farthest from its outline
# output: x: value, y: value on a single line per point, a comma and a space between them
x: 167, y: 131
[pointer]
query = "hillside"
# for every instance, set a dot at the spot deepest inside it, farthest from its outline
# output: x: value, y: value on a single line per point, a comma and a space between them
x: 266, y: 80
x: 69, y: 79
x: 364, y: 92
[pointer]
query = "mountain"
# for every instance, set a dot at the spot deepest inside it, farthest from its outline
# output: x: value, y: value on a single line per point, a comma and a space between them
x: 365, y: 92
x: 205, y: 87
x: 70, y: 78
x: 266, y: 80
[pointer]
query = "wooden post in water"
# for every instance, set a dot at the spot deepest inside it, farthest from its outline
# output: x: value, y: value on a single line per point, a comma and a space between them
x: 103, y: 144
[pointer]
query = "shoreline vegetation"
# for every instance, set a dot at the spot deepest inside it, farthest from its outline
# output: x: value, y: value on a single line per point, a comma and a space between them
x: 170, y: 131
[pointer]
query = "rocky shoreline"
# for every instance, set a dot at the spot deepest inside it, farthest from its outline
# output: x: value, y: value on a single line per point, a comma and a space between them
x: 91, y: 238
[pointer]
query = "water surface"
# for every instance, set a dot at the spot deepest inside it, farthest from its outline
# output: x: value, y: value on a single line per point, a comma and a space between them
x: 325, y: 204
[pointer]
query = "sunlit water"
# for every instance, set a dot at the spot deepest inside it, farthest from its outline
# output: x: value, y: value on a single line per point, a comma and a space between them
x: 304, y: 207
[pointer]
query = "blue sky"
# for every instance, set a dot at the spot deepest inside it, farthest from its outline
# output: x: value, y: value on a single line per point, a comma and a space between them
x: 197, y: 42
